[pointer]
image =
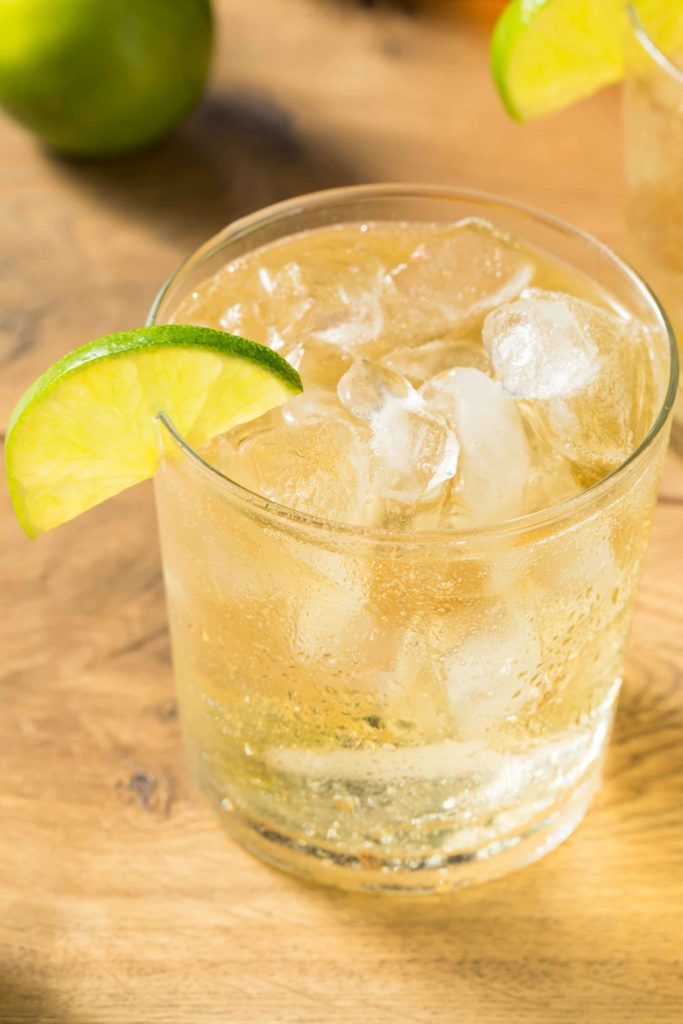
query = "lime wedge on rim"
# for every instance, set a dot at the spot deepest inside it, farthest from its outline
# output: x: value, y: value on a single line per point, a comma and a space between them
x: 547, y: 54
x: 88, y: 429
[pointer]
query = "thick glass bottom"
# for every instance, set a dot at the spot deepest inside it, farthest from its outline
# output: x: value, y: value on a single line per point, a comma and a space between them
x: 415, y: 875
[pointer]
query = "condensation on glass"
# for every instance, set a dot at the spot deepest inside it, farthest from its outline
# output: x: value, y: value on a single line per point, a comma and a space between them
x: 402, y: 712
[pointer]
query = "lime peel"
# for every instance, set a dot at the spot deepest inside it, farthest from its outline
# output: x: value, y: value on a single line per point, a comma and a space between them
x: 86, y: 429
x: 548, y: 54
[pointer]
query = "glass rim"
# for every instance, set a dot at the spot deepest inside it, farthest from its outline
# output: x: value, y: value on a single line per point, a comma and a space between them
x: 651, y: 47
x: 546, y: 516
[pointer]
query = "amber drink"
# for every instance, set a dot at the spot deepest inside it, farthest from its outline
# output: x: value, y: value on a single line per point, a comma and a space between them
x: 399, y: 603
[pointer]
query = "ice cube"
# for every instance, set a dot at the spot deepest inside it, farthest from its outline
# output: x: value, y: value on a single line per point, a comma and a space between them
x: 544, y: 345
x: 483, y: 779
x: 223, y: 451
x: 495, y: 461
x: 320, y: 365
x: 313, y: 404
x: 318, y: 467
x: 493, y: 673
x: 345, y: 311
x: 552, y: 477
x: 587, y: 375
x: 287, y: 290
x: 419, y: 363
x: 331, y: 292
x: 271, y: 301
x: 457, y: 275
x: 355, y: 316
x: 428, y: 762
x: 602, y: 425
x: 414, y: 451
x: 334, y: 626
x: 366, y: 389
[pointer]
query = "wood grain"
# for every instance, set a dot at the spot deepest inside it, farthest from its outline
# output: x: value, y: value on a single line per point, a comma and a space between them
x: 121, y: 902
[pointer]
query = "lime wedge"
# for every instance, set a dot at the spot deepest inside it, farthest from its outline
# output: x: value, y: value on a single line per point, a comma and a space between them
x: 547, y: 54
x: 87, y: 428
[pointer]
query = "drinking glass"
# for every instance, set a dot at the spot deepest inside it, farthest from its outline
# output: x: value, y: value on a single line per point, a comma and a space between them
x: 402, y: 712
x: 653, y: 154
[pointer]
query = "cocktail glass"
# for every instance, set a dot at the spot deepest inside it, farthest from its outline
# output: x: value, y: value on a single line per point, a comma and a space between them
x: 401, y: 712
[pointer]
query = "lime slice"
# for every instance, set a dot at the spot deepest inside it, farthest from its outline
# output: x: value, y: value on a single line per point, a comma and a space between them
x: 87, y: 428
x: 547, y: 54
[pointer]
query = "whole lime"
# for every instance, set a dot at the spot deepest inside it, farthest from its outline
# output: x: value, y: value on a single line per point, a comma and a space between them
x: 94, y: 77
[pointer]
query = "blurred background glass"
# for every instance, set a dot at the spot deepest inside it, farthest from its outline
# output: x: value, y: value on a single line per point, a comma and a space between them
x: 653, y: 152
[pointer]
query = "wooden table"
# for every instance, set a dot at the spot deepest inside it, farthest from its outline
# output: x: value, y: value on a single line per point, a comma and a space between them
x: 122, y: 902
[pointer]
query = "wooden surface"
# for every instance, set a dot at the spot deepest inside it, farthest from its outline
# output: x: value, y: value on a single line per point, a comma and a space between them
x: 121, y: 901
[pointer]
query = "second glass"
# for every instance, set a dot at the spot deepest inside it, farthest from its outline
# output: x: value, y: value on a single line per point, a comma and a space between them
x: 653, y: 155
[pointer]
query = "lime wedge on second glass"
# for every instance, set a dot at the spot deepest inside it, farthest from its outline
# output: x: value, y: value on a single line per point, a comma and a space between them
x: 87, y: 428
x: 547, y: 54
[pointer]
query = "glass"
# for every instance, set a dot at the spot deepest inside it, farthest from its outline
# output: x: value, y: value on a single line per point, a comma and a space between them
x: 653, y: 153
x: 323, y: 751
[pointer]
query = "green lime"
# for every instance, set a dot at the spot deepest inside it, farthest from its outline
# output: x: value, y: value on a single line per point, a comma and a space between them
x: 94, y: 77
x: 547, y: 54
x: 87, y: 428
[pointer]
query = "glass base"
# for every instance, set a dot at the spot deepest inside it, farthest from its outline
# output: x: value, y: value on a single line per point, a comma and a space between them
x: 430, y: 876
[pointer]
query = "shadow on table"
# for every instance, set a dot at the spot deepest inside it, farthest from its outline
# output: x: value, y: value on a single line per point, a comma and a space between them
x: 24, y: 999
x: 236, y: 153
